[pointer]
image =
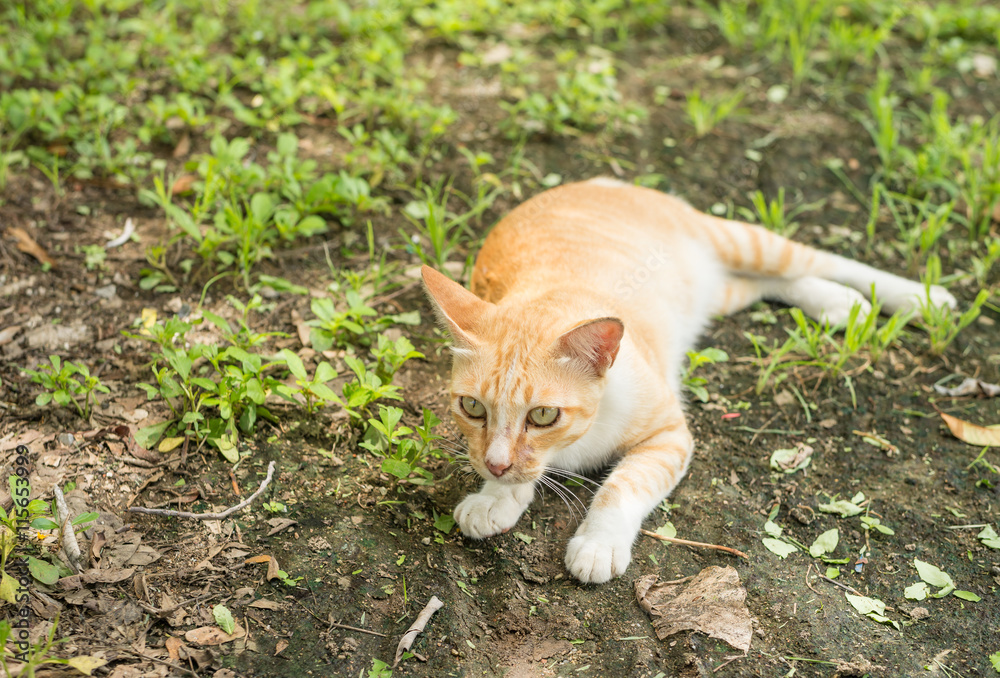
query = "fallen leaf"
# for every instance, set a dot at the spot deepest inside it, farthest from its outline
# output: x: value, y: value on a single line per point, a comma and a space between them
x: 173, y: 646
x: 27, y: 244
x: 989, y: 537
x: 772, y: 529
x: 213, y: 635
x: 265, y: 604
x: 825, y: 543
x: 279, y: 524
x: 842, y: 507
x: 779, y: 548
x: 224, y: 618
x: 790, y: 461
x: 971, y: 433
x: 281, y: 645
x: 712, y: 603
x: 918, y: 591
x: 873, y: 608
x: 183, y: 184
x: 967, y: 595
x: 968, y: 387
x: 667, y: 530
x: 432, y: 606
x: 85, y: 664
x: 183, y: 146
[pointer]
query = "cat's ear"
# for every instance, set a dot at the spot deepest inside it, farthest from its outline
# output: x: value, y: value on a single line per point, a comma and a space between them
x: 459, y: 308
x: 594, y: 344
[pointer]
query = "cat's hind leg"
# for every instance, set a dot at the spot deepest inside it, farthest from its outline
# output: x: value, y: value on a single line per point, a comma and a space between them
x: 821, y: 299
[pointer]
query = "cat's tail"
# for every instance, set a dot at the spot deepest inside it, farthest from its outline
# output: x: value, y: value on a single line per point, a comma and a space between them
x: 750, y: 250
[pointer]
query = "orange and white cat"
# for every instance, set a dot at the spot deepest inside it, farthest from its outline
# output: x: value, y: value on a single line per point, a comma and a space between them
x: 568, y: 350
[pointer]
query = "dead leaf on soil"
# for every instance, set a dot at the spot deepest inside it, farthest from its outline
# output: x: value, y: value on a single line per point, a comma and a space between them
x: 432, y: 606
x: 183, y: 146
x: 712, y: 603
x: 183, y: 184
x: 27, y: 244
x: 279, y: 524
x: 281, y: 645
x: 272, y: 565
x: 972, y: 434
x: 173, y: 646
x: 265, y: 604
x: 970, y: 387
x: 213, y: 635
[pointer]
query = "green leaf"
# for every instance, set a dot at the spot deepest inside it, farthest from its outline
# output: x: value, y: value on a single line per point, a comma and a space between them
x: 967, y: 595
x: 43, y: 399
x: 995, y: 660
x: 866, y: 605
x: 47, y: 573
x: 295, y: 365
x: 147, y: 436
x: 825, y: 543
x: 667, y: 530
x: 443, y: 522
x: 779, y: 548
x: 324, y: 372
x: 843, y: 508
x: 397, y: 468
x: 783, y: 461
x: 832, y: 572
x: 44, y: 524
x: 523, y: 537
x: 918, y: 591
x: 224, y: 618
x: 772, y: 529
x: 989, y: 537
x: 932, y: 575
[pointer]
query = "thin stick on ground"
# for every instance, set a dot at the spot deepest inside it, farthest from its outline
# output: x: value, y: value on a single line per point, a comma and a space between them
x: 433, y: 605
x: 850, y: 589
x: 210, y: 516
x: 66, y: 534
x: 698, y: 544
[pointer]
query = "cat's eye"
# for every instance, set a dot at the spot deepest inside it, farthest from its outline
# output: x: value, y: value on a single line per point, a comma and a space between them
x: 543, y: 416
x: 473, y: 407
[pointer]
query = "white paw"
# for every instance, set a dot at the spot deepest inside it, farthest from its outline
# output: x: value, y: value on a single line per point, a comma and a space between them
x: 595, y: 560
x: 484, y: 515
x: 837, y: 310
x: 913, y: 296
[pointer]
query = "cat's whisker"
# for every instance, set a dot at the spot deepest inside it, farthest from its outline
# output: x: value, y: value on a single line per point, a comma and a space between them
x: 561, y: 493
x: 567, y: 495
x: 570, y: 474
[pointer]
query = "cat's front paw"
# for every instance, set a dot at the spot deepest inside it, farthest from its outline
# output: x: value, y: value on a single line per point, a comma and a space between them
x: 486, y: 514
x: 597, y: 559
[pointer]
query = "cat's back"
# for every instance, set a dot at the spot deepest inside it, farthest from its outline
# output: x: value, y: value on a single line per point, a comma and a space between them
x: 587, y: 230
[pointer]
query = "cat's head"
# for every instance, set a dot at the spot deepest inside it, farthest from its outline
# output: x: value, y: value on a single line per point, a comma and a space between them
x: 525, y: 381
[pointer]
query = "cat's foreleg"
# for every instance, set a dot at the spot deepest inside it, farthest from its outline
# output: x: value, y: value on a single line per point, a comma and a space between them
x: 494, y: 509
x: 602, y: 547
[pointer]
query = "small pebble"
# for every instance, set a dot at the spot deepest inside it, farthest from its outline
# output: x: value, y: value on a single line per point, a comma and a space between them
x: 920, y: 613
x: 66, y: 439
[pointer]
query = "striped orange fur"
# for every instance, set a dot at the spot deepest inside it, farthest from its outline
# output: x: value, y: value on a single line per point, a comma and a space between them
x: 584, y: 301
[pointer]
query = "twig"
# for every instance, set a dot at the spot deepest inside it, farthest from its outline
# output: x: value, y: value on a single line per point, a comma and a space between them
x: 808, y: 570
x: 433, y: 605
x: 66, y: 534
x: 728, y: 661
x: 176, y: 667
x: 850, y: 589
x: 355, y: 628
x: 210, y: 516
x: 685, y: 542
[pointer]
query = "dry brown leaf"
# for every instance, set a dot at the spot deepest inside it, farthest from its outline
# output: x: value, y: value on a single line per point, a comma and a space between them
x: 183, y: 146
x: 273, y: 569
x: 183, y: 184
x: 173, y: 646
x: 281, y: 645
x: 258, y: 559
x: 265, y: 604
x: 432, y: 606
x: 279, y: 524
x: 972, y: 434
x: 213, y: 635
x: 27, y: 244
x: 712, y: 603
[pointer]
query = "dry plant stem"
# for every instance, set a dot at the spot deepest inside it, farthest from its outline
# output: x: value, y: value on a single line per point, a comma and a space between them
x: 850, y: 589
x: 685, y: 542
x: 66, y: 534
x: 210, y: 516
x: 355, y: 628
x: 433, y: 605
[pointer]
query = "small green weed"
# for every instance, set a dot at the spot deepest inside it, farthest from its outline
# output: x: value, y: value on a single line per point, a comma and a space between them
x: 705, y: 114
x: 62, y: 385
x: 401, y: 455
x: 707, y: 356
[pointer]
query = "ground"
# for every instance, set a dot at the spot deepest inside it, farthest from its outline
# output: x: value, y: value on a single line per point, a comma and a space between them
x: 361, y: 553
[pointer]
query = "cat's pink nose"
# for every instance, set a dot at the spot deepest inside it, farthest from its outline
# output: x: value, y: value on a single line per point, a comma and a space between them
x: 497, y: 469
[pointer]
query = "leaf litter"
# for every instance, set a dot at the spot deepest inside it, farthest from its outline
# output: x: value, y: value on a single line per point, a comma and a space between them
x: 713, y: 603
